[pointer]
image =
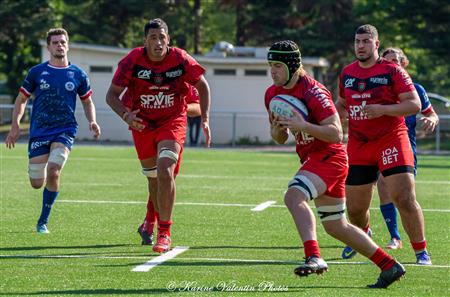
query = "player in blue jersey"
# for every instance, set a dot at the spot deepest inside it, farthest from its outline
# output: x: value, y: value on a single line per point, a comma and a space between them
x: 54, y: 85
x: 429, y: 122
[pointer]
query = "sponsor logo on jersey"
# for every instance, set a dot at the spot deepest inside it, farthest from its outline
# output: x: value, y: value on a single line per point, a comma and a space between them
x: 166, y: 88
x: 379, y: 80
x: 362, y: 96
x: 70, y: 86
x: 361, y: 86
x: 356, y: 112
x: 389, y: 155
x: 303, y: 138
x: 321, y: 96
x: 38, y: 144
x: 70, y: 74
x: 157, y: 101
x: 158, y: 79
x: 144, y: 74
x: 44, y: 85
x: 175, y: 73
x: 45, y: 72
x: 349, y: 82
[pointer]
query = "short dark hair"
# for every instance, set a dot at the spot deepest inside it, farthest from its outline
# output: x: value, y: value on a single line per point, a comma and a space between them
x: 367, y: 29
x: 55, y: 32
x: 155, y: 24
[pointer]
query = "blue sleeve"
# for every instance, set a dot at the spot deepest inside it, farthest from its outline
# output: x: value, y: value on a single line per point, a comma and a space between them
x: 84, y: 89
x: 424, y: 100
x: 29, y: 84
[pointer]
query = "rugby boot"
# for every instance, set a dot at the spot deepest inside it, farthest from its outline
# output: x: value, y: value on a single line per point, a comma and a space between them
x: 423, y: 258
x: 312, y: 264
x: 147, y: 238
x: 394, y: 244
x: 162, y: 244
x: 387, y: 277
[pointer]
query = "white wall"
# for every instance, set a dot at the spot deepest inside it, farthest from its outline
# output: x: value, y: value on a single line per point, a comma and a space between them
x: 236, y: 100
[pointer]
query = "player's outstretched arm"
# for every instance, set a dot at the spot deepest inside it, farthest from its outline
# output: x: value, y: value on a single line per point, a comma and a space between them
x: 205, y: 101
x: 17, y: 114
x: 89, y: 112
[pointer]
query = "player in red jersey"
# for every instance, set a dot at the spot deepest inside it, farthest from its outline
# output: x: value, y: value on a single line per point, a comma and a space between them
x: 375, y: 95
x: 145, y: 230
x: 156, y: 77
x: 324, y: 166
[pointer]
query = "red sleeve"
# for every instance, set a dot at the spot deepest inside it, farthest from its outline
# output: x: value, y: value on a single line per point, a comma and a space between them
x: 341, y: 85
x: 268, y: 96
x: 320, y: 103
x: 402, y: 82
x: 193, y: 69
x: 193, y: 95
x: 124, y: 71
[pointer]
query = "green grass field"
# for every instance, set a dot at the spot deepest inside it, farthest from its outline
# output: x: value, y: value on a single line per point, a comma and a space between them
x: 93, y: 245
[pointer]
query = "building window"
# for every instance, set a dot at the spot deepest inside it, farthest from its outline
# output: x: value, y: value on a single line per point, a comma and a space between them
x: 103, y: 69
x: 224, y: 71
x: 255, y: 72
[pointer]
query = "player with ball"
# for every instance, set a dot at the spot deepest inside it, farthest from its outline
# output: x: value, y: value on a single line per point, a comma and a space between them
x: 299, y: 104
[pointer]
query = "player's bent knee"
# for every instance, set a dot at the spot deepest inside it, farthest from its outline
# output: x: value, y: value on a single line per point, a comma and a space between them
x: 150, y: 172
x: 331, y: 212
x: 168, y: 153
x: 37, y: 171
x: 58, y: 156
x: 37, y: 183
x: 304, y: 185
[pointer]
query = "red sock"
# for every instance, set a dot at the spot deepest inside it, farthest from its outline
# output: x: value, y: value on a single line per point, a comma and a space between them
x: 419, y: 246
x: 150, y: 217
x: 311, y: 248
x: 164, y: 227
x: 382, y: 259
x: 366, y: 229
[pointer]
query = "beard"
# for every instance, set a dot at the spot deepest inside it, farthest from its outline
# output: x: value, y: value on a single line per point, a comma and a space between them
x: 364, y: 59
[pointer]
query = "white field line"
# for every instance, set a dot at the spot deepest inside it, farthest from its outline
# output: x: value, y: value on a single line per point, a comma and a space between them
x: 262, y: 206
x: 160, y: 259
x: 208, y: 204
x: 201, y: 259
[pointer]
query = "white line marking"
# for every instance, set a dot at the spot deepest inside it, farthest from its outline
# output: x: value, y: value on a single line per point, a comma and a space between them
x: 210, y: 204
x: 160, y: 259
x: 262, y: 206
x: 202, y: 259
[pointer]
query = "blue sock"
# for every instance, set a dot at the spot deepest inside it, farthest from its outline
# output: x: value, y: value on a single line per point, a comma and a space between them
x: 47, y: 203
x: 390, y: 217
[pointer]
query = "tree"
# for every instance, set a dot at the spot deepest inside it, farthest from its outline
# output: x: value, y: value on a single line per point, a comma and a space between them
x: 23, y: 24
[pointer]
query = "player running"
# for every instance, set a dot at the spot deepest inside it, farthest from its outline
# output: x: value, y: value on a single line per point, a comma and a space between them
x: 55, y: 85
x: 156, y: 78
x: 324, y: 166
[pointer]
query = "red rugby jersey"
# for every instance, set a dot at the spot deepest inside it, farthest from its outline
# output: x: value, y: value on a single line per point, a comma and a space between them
x: 379, y: 84
x: 319, y: 103
x: 158, y: 89
x: 192, y: 96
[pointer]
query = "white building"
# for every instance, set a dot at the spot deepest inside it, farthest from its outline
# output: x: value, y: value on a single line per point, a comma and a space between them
x: 237, y: 85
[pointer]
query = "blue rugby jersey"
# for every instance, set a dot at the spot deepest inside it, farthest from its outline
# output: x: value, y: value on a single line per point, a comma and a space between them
x: 411, y: 121
x: 55, y: 91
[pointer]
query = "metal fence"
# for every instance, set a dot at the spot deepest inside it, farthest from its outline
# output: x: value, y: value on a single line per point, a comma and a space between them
x: 234, y: 128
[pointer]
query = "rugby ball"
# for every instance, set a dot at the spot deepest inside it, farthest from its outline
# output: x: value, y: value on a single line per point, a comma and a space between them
x: 285, y: 106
